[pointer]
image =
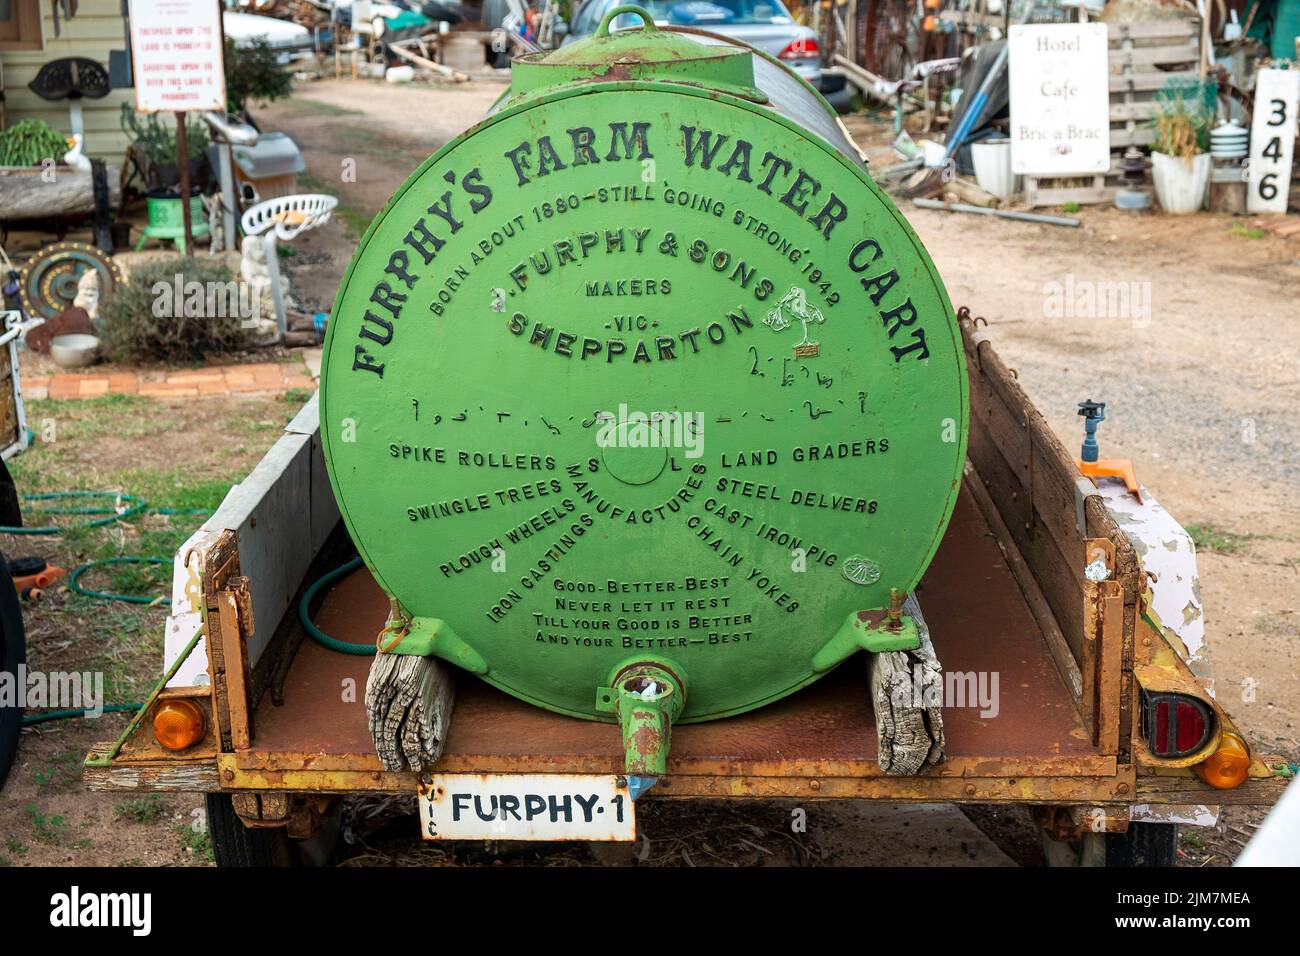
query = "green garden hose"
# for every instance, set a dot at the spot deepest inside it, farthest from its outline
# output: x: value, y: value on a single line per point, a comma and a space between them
x: 109, y: 515
x: 74, y: 580
x: 68, y: 714
x: 314, y: 632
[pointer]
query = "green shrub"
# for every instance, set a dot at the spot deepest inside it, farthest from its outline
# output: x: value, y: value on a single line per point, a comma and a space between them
x: 30, y: 142
x: 253, y: 73
x: 173, y: 310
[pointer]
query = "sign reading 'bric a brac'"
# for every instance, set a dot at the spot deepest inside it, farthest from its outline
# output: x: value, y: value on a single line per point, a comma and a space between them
x: 1060, y: 99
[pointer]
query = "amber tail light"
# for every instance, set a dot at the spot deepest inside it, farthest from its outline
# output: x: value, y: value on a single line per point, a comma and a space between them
x: 1228, y: 766
x: 178, y: 723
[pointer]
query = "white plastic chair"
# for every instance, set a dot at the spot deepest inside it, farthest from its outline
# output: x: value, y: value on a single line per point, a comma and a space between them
x: 284, y: 218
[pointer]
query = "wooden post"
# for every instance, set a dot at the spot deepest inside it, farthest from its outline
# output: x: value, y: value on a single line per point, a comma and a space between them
x: 183, y: 164
x: 409, y: 701
x: 1207, y: 48
x: 909, y: 731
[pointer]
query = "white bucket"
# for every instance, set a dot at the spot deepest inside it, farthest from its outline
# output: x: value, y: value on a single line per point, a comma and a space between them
x: 992, y: 161
x: 1179, y: 187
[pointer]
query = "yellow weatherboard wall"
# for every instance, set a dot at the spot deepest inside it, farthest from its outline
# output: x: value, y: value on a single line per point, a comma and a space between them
x: 97, y: 28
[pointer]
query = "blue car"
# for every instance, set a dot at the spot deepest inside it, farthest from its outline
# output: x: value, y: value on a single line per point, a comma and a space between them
x: 765, y: 25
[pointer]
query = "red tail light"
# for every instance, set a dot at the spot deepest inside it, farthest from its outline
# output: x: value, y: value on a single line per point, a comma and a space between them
x: 805, y: 48
x: 1175, y: 725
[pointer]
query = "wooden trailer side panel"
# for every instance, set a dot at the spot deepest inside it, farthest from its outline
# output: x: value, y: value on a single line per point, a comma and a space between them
x: 1051, y: 513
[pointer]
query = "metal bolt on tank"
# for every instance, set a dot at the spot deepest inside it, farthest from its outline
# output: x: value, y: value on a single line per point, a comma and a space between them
x: 640, y: 399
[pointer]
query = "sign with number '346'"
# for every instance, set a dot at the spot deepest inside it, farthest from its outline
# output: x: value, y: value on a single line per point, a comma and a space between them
x: 1272, y: 140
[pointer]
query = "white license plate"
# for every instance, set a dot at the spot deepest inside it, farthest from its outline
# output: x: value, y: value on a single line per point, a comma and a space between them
x: 527, y: 806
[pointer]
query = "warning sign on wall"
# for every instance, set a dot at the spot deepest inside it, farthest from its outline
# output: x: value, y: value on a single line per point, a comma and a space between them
x: 177, y: 51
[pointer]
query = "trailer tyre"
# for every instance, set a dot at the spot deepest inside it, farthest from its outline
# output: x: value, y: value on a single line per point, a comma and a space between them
x: 13, y: 653
x: 234, y: 844
x: 1143, y: 844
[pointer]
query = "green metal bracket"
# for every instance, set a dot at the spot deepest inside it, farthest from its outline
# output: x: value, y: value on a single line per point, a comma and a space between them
x: 876, y: 631
x: 433, y: 637
x: 646, y: 698
x: 181, y: 658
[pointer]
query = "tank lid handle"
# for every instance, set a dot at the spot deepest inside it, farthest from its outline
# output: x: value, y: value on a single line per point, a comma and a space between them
x: 647, y: 18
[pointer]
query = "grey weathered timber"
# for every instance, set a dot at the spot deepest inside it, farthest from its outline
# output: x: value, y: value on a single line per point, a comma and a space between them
x: 32, y: 193
x: 409, y: 701
x: 909, y: 733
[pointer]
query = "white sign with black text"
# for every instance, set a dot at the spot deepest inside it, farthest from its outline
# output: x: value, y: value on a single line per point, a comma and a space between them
x: 1272, y: 140
x: 177, y: 55
x: 1060, y: 99
x: 527, y: 806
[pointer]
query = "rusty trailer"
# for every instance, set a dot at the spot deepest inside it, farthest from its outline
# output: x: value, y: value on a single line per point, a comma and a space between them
x: 1036, y: 581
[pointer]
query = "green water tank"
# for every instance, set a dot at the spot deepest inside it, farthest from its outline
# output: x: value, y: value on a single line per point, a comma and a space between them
x: 643, y: 375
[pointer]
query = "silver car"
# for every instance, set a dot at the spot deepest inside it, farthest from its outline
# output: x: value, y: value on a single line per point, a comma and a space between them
x: 764, y: 24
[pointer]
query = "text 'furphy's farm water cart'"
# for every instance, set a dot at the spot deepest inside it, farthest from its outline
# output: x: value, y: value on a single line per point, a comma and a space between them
x: 644, y: 411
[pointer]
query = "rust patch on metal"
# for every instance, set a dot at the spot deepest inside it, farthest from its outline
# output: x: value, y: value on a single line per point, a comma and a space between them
x: 979, y: 622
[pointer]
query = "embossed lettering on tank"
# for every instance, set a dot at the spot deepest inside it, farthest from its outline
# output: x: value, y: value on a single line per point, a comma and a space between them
x: 639, y: 373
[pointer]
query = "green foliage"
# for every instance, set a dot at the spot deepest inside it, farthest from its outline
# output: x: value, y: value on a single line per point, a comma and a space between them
x: 1207, y: 537
x: 252, y: 73
x: 147, y: 809
x: 297, y: 396
x: 46, y: 829
x: 1182, y: 124
x: 30, y: 142
x: 197, y: 844
x: 155, y: 133
x: 62, y: 771
x: 143, y: 320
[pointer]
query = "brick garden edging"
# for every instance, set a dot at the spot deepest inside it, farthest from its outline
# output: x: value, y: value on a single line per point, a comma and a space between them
x: 262, y: 377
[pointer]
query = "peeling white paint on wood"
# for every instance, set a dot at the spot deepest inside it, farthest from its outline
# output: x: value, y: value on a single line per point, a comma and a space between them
x: 1192, y: 815
x: 282, y: 513
x: 1168, y: 554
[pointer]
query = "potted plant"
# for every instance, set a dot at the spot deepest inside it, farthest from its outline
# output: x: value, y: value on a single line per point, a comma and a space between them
x: 1180, y: 158
x: 153, y: 150
x: 153, y: 141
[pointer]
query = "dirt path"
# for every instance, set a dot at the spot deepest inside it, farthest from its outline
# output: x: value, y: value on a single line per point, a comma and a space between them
x: 1201, y: 371
x: 1203, y: 399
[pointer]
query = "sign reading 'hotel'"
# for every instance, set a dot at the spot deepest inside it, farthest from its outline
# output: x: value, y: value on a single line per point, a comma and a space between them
x: 1060, y: 99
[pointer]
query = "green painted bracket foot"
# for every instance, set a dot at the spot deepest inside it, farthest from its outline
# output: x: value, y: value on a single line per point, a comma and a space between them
x: 433, y: 637
x: 876, y: 631
x: 646, y: 698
